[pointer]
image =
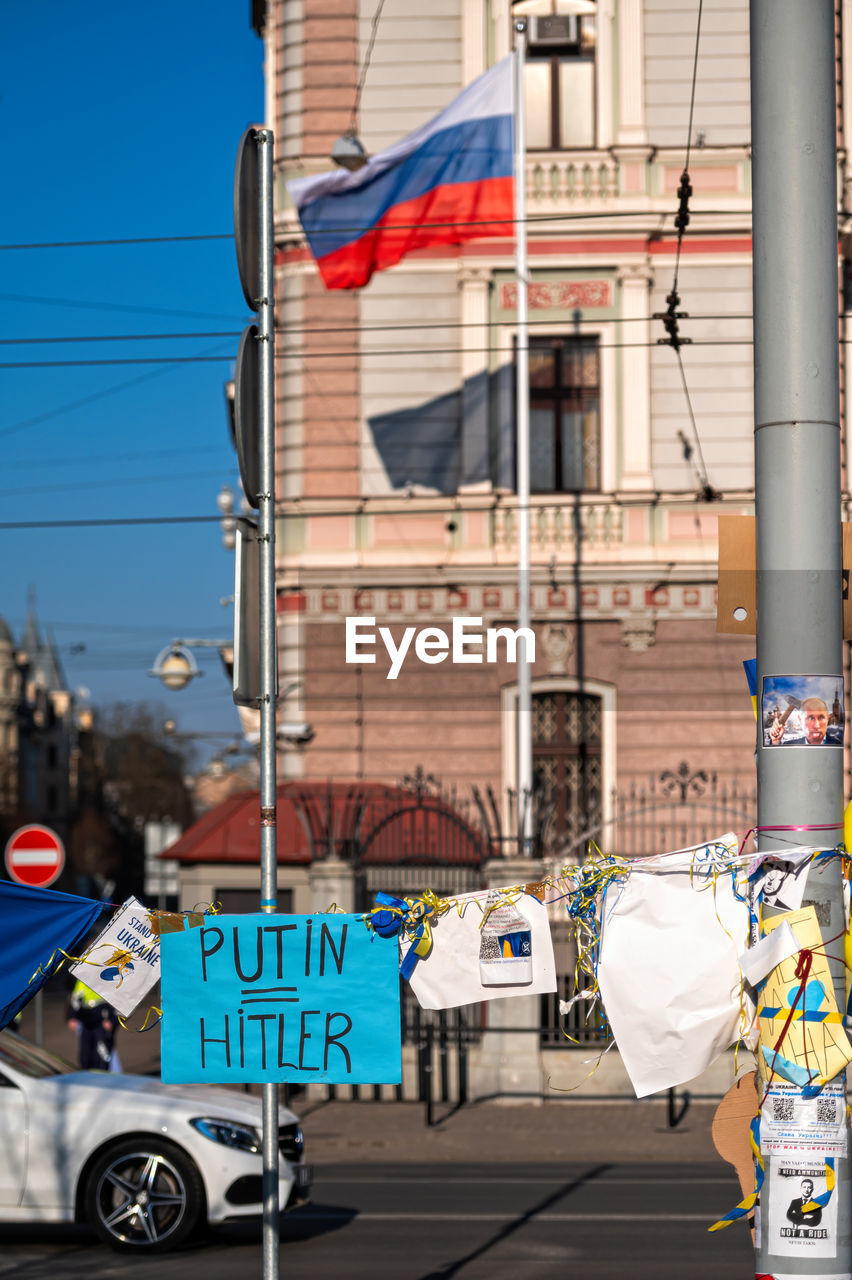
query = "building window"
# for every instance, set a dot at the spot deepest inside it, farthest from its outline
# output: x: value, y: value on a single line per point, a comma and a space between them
x: 564, y: 414
x: 567, y: 762
x: 560, y: 81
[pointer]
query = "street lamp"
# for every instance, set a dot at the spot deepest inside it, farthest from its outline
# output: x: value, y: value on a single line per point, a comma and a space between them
x: 349, y: 151
x: 175, y: 666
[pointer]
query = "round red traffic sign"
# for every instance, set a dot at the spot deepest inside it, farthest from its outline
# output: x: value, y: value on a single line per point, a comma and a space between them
x: 35, y: 856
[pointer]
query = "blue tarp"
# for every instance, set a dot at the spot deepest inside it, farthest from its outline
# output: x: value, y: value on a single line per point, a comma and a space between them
x: 35, y: 924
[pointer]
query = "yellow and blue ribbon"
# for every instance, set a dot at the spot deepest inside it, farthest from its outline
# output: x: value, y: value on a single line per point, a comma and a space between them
x: 411, y: 917
x: 745, y: 1207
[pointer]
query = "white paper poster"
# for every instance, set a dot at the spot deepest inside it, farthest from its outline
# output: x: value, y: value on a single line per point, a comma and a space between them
x: 789, y: 1122
x: 123, y: 963
x: 797, y: 1227
x: 510, y: 955
x: 668, y: 973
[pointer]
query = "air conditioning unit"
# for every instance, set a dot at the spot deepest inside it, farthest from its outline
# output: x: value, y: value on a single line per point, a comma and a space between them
x: 555, y: 28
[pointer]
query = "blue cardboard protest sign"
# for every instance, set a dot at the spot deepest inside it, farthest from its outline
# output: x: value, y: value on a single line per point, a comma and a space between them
x: 271, y: 998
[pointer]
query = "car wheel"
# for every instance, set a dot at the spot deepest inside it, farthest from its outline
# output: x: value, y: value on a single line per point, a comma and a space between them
x: 144, y: 1196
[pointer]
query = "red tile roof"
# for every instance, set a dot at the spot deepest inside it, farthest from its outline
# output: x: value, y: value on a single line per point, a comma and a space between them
x: 230, y: 832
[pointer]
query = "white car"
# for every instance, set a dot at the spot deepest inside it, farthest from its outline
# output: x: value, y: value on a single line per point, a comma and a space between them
x: 143, y: 1162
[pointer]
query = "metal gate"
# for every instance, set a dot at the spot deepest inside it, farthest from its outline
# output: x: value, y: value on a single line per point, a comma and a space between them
x: 676, y: 809
x: 426, y: 837
x: 420, y: 835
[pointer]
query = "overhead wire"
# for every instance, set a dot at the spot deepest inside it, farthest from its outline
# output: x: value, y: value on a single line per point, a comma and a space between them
x: 94, y: 396
x: 365, y: 66
x: 92, y: 244
x: 85, y: 364
x: 357, y: 508
x: 313, y: 329
x: 693, y: 454
x: 107, y: 522
x: 87, y: 460
x: 121, y: 481
x: 336, y: 354
x: 531, y: 219
x: 118, y: 337
x: 113, y: 306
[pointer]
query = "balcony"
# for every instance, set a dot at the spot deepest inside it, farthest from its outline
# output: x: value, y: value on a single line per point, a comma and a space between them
x: 469, y: 533
x: 576, y: 177
x: 644, y: 180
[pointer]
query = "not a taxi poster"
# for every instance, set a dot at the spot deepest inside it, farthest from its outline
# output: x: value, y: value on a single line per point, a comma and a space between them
x: 270, y: 998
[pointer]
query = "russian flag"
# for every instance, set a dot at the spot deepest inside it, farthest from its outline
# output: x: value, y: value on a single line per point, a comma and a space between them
x: 449, y: 181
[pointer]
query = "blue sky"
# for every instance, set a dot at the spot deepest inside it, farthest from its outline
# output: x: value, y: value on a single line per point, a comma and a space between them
x: 122, y: 121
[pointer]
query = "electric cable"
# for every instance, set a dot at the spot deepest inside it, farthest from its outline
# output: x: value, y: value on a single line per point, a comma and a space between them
x: 542, y: 218
x: 365, y: 66
x: 687, y: 496
x: 672, y: 316
x: 113, y: 306
x: 83, y: 401
x: 337, y: 355
x: 118, y: 337
x: 313, y: 329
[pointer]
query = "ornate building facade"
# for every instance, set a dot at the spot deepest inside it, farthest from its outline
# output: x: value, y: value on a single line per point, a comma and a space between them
x: 396, y: 431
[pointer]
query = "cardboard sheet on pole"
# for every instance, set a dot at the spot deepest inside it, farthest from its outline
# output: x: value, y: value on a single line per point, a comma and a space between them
x: 738, y: 576
x: 808, y: 1038
x: 668, y: 974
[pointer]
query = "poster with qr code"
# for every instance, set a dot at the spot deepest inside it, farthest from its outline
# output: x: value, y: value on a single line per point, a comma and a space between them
x: 489, y: 944
x: 789, y: 1122
x: 799, y: 1224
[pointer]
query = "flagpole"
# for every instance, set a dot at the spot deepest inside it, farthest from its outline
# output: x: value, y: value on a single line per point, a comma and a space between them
x: 522, y: 451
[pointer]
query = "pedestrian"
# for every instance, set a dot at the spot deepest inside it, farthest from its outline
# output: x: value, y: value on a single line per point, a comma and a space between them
x: 94, y: 1021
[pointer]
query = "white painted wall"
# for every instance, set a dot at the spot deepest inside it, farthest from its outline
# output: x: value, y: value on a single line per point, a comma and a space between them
x: 391, y: 382
x: 415, y: 67
x: 719, y: 377
x: 722, y: 89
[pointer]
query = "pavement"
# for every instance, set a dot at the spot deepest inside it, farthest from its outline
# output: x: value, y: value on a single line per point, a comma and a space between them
x: 554, y: 1131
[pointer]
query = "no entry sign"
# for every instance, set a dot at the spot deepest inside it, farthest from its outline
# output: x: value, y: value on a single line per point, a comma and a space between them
x: 35, y: 856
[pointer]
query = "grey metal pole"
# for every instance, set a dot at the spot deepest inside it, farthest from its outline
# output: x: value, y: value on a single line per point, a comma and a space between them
x: 268, y: 658
x: 797, y: 481
x: 522, y: 449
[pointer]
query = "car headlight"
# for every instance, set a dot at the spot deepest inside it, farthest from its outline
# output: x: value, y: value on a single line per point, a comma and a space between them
x: 291, y: 1142
x: 229, y: 1133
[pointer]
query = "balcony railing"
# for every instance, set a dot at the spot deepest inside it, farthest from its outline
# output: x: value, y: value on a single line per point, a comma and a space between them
x: 554, y: 526
x: 579, y: 176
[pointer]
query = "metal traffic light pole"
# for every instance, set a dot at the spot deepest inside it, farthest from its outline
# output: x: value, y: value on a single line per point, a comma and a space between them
x: 255, y: 640
x: 268, y: 656
x: 797, y: 491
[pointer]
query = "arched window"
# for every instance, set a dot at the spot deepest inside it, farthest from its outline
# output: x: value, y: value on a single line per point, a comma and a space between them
x: 567, y: 729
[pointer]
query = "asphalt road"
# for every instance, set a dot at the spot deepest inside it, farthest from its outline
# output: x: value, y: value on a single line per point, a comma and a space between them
x: 496, y: 1221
